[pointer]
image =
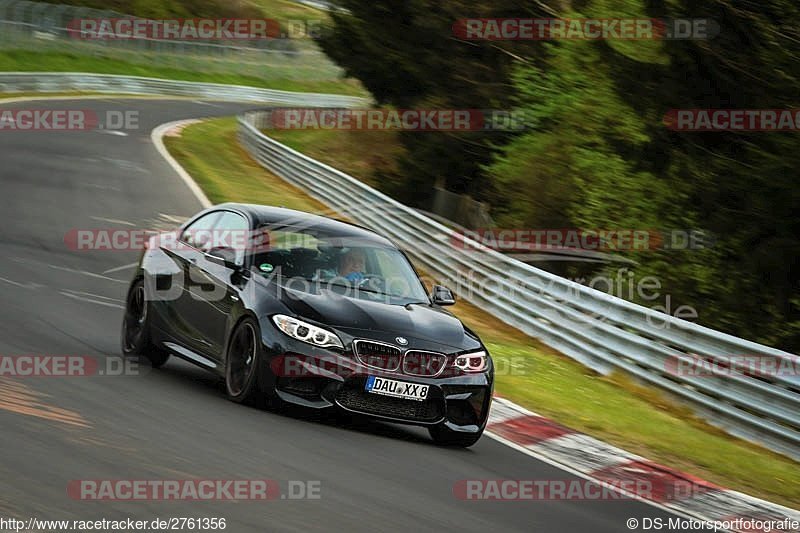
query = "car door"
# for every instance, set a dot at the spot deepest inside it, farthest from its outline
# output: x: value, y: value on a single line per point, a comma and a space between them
x: 192, y: 240
x: 214, y: 289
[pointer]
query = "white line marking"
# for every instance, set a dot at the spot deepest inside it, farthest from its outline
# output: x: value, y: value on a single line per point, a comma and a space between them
x: 89, y: 300
x: 199, y: 102
x: 85, y: 273
x: 173, y: 218
x: 101, y: 186
x: 13, y: 283
x: 157, y: 136
x: 26, y: 261
x: 30, y: 285
x: 113, y: 221
x: 92, y: 295
x: 117, y: 269
x: 113, y: 132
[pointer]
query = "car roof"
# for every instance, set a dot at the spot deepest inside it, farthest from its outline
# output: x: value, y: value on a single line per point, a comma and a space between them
x: 269, y: 215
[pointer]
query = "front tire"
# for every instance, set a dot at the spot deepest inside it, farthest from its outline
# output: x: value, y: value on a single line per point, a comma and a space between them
x: 135, y: 336
x: 444, y: 436
x: 242, y: 363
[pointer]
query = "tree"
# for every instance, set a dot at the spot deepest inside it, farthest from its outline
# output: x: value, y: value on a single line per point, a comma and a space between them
x: 404, y: 52
x: 602, y: 157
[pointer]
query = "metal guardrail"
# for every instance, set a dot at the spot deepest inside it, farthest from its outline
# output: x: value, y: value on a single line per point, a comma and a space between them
x: 601, y: 331
x: 61, y: 21
x: 51, y: 82
x: 44, y: 27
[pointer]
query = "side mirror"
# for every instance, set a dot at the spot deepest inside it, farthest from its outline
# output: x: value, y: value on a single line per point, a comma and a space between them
x: 442, y: 296
x: 223, y: 256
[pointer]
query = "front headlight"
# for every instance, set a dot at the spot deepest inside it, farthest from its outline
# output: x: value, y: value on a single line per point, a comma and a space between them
x: 303, y: 331
x: 472, y: 362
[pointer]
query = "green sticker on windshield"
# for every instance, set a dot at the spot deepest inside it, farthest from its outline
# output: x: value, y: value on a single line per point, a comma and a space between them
x: 266, y: 267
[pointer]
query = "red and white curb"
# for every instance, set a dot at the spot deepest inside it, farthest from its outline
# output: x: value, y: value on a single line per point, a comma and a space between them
x: 593, y: 459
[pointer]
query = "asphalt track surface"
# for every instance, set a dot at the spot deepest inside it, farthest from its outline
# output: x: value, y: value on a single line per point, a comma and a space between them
x: 175, y: 423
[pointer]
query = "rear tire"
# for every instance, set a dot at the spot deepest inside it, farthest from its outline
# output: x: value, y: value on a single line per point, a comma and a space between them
x: 444, y: 436
x: 135, y: 336
x: 242, y: 364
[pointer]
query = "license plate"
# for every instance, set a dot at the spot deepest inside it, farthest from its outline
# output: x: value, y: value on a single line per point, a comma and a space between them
x: 397, y: 389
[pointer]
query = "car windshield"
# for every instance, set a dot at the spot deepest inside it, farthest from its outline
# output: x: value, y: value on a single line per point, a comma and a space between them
x: 308, y: 259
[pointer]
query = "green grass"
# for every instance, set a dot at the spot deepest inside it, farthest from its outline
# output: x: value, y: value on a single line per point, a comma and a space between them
x: 276, y: 9
x: 358, y: 153
x: 614, y: 409
x: 283, y: 10
x: 29, y: 61
x: 211, y: 153
x: 310, y: 72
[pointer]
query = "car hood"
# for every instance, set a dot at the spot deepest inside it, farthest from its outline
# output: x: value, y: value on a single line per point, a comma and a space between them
x: 381, y: 321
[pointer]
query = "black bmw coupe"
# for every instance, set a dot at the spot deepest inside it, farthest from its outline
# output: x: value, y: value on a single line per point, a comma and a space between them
x: 292, y: 307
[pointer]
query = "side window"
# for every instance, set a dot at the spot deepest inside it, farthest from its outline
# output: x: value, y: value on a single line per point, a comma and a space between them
x: 288, y: 240
x: 232, y: 229
x: 199, y: 233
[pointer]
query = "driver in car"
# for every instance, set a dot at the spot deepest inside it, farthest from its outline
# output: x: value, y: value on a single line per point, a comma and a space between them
x: 352, y: 265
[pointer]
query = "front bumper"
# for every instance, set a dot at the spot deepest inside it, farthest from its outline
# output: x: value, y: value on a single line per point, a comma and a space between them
x: 312, y: 377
